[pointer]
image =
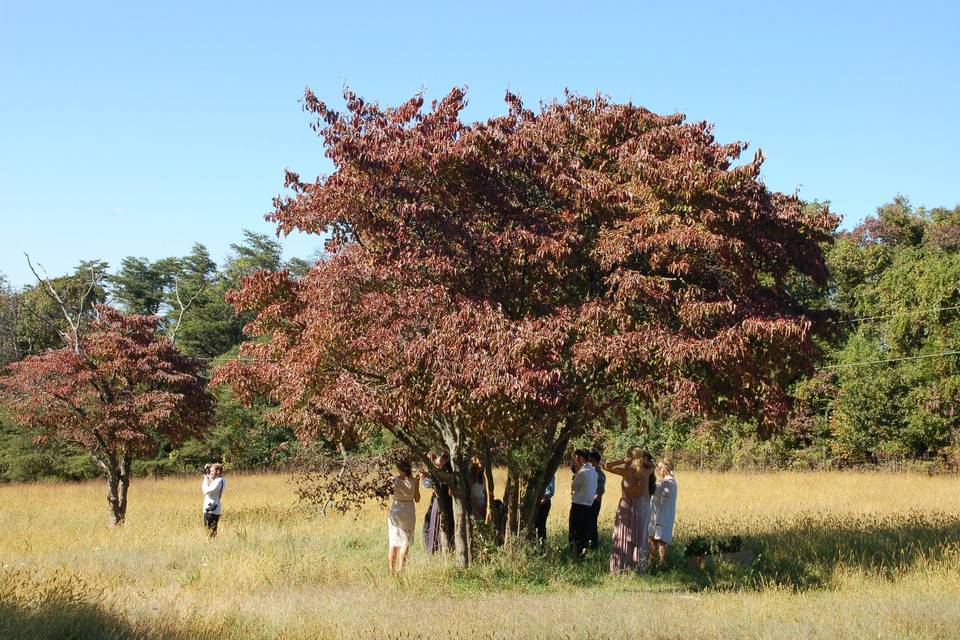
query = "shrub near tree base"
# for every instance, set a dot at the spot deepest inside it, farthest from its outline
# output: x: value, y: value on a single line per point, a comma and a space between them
x: 498, y: 286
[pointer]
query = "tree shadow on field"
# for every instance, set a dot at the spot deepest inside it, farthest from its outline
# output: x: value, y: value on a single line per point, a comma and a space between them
x: 62, y: 606
x: 61, y: 621
x: 805, y: 552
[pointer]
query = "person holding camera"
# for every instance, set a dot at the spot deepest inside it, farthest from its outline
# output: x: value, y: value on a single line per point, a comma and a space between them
x: 213, y: 485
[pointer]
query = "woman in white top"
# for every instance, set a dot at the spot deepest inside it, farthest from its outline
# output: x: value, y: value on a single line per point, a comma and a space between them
x: 663, y: 511
x: 402, y: 517
x: 212, y: 487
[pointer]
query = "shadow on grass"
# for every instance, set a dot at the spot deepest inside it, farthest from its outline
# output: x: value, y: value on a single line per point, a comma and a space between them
x: 62, y: 606
x: 801, y: 553
x: 61, y: 621
x: 806, y: 552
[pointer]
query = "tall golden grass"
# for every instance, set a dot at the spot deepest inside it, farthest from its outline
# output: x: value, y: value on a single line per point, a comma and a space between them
x: 854, y: 555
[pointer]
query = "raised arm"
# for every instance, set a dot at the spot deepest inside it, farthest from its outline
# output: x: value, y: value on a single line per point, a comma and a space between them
x: 212, y: 487
x: 618, y: 467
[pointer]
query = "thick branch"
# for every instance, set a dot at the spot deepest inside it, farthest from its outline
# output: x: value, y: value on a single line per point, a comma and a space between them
x: 183, y: 307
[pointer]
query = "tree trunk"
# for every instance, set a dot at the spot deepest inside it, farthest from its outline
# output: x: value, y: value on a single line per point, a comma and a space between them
x: 537, y: 482
x: 446, y: 522
x: 488, y: 478
x: 124, y: 486
x: 511, y: 502
x: 113, y: 497
x: 500, y: 509
x: 118, y: 482
x: 461, y: 506
x: 462, y: 532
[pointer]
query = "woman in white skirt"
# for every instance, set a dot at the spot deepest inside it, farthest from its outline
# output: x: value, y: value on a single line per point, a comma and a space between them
x: 402, y: 517
x: 663, y: 511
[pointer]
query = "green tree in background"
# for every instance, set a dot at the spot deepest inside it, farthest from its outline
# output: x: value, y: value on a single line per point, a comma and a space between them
x: 8, y: 323
x: 39, y: 320
x: 900, y: 272
x: 212, y: 327
x: 140, y: 286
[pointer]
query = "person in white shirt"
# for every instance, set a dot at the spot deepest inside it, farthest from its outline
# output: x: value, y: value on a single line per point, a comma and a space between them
x: 663, y: 512
x: 583, y: 489
x: 212, y: 487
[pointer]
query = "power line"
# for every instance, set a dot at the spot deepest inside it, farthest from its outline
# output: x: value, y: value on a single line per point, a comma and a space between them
x: 884, y: 361
x: 902, y: 313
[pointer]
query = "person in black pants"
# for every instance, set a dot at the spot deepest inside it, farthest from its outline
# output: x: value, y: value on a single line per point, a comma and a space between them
x: 593, y: 535
x: 583, y: 488
x: 543, y: 511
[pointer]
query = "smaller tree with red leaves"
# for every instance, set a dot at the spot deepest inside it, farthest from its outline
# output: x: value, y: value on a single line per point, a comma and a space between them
x: 123, y: 389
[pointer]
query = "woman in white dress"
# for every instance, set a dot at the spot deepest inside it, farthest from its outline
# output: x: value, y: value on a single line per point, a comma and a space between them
x: 663, y: 511
x: 402, y: 517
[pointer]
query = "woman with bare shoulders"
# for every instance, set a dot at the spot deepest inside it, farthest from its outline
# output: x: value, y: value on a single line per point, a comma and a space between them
x: 402, y: 517
x: 629, y: 552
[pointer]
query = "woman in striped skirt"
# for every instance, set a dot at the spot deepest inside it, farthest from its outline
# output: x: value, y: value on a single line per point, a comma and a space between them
x: 629, y: 551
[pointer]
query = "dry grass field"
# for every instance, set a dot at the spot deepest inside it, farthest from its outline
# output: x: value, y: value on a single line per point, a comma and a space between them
x: 840, y: 555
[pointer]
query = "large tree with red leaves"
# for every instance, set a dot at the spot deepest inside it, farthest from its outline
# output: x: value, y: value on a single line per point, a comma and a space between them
x: 503, y: 283
x: 120, y: 388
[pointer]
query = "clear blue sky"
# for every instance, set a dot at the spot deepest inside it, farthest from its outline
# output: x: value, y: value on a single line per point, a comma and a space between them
x: 139, y: 128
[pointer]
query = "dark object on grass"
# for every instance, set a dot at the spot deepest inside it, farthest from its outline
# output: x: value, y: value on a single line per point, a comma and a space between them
x: 701, y: 546
x: 702, y: 552
x: 744, y: 558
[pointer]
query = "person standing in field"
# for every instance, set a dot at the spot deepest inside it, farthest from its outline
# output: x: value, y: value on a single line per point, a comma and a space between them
x: 212, y: 487
x: 583, y: 489
x: 431, y: 520
x: 402, y: 517
x: 593, y: 539
x: 543, y: 509
x: 630, y: 544
x: 478, y: 492
x: 663, y: 511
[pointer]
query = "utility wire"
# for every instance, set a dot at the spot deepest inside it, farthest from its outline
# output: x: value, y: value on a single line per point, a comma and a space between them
x: 902, y: 313
x: 884, y: 361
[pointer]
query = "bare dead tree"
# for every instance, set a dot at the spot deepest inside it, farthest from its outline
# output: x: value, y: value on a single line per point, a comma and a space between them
x: 182, y: 307
x: 74, y: 321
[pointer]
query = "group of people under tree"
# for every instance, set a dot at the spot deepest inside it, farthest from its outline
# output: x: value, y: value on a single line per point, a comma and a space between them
x: 643, y: 525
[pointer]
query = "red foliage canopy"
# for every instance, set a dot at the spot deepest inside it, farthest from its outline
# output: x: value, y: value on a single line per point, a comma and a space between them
x: 493, y: 271
x: 127, y: 386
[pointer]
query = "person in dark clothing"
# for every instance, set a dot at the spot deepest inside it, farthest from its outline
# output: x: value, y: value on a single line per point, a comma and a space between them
x: 441, y: 493
x: 543, y: 511
x: 593, y: 535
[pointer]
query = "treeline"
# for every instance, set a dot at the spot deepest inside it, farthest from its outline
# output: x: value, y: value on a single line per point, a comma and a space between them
x: 887, y: 386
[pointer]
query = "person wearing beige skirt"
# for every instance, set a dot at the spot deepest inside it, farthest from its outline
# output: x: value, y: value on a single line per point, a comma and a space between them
x: 402, y: 517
